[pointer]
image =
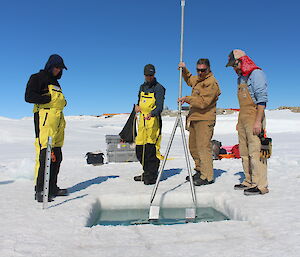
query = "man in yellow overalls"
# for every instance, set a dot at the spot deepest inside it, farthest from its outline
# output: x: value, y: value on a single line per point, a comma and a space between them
x: 252, y: 96
x: 44, y: 91
x: 150, y: 106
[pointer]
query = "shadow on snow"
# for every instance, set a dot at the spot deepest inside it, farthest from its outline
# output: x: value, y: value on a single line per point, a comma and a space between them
x: 85, y: 184
x: 169, y: 173
x: 6, y: 182
x: 242, y: 176
x: 218, y: 173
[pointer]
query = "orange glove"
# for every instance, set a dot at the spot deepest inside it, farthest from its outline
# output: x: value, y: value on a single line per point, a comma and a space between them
x: 53, y: 157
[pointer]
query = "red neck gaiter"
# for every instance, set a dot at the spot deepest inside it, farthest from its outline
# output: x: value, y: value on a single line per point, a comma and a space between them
x: 247, y: 65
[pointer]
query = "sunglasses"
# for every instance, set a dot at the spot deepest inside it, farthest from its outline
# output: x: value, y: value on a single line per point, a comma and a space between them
x: 201, y: 70
x: 149, y: 75
x: 236, y: 64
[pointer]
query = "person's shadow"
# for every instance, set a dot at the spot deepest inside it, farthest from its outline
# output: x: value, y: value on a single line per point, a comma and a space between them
x: 242, y: 176
x: 172, y: 172
x: 6, y: 182
x: 169, y: 173
x: 85, y: 184
x: 218, y: 173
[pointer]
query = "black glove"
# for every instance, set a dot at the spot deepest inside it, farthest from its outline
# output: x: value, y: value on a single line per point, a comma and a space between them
x: 266, y: 147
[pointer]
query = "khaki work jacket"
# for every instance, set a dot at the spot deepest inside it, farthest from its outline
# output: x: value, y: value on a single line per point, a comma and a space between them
x: 205, y: 93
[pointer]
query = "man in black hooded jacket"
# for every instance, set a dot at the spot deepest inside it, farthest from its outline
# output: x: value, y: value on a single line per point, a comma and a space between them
x: 44, y: 91
x: 150, y: 105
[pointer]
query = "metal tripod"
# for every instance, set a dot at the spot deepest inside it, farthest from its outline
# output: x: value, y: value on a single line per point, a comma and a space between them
x: 154, y: 210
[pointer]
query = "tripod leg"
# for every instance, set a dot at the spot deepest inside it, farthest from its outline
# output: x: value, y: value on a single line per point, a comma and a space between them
x: 190, y: 213
x: 154, y: 210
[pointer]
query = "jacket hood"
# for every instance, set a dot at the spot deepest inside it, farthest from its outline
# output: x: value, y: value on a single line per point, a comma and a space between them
x: 55, y: 61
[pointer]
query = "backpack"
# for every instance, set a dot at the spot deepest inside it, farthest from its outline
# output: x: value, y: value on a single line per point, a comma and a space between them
x: 216, y: 145
x: 236, y: 151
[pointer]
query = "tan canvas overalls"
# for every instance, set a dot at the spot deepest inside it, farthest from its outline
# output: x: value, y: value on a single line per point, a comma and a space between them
x: 254, y: 169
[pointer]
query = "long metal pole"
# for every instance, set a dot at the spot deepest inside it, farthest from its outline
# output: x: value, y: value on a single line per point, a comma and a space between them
x: 181, y: 53
x: 179, y: 107
x: 180, y: 123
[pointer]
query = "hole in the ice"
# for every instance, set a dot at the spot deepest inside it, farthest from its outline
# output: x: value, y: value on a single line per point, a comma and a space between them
x: 139, y: 216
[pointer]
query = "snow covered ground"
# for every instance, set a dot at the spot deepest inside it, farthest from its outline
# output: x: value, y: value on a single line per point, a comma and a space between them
x: 267, y: 225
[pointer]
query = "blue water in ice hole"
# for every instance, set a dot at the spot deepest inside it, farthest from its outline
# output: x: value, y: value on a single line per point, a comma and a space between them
x: 168, y: 216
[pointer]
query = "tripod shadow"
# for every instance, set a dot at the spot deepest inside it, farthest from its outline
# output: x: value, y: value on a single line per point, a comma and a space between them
x: 169, y: 173
x: 6, y: 182
x: 68, y: 200
x: 162, y: 198
x: 242, y: 176
x: 85, y: 184
x: 218, y: 173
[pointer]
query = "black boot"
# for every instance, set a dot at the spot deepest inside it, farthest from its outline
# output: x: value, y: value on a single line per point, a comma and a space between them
x: 60, y: 192
x: 150, y: 179
x: 139, y: 178
x: 39, y: 197
x: 195, y: 176
x: 252, y: 191
x: 202, y: 182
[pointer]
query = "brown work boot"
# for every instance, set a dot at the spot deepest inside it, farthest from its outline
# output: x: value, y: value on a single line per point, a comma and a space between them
x: 202, y: 182
x: 240, y: 187
x: 255, y: 191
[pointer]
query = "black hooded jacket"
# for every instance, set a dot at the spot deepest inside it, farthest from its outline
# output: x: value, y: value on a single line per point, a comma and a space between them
x: 38, y: 83
x: 37, y: 86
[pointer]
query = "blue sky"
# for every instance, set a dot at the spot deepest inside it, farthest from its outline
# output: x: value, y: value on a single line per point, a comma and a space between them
x: 105, y: 45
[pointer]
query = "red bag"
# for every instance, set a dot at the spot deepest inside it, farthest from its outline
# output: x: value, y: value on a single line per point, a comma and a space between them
x: 236, y: 151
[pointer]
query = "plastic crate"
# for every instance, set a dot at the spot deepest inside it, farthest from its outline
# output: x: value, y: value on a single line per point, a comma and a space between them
x: 120, y: 147
x: 112, y: 139
x: 121, y: 156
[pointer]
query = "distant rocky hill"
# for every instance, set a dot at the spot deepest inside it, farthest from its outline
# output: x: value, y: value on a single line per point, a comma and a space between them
x: 222, y: 111
x: 293, y: 109
x: 185, y: 110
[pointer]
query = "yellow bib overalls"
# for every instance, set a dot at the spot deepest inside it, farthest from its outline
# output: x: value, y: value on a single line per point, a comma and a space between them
x: 149, y: 131
x: 249, y: 144
x: 51, y: 122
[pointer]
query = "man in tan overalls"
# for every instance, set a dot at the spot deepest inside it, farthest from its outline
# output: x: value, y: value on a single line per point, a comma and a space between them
x: 201, y: 119
x: 252, y: 95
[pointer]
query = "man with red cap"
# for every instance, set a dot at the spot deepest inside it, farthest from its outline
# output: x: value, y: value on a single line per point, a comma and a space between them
x: 252, y: 96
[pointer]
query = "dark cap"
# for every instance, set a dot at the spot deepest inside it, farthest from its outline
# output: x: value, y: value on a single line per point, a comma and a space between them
x: 149, y: 69
x: 55, y: 61
x: 235, y: 55
x: 62, y: 65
